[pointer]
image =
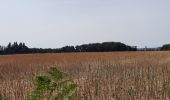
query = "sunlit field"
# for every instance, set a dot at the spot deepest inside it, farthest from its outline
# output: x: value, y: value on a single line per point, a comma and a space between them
x: 101, y: 76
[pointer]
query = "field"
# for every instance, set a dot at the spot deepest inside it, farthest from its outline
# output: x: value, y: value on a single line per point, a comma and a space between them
x: 101, y: 76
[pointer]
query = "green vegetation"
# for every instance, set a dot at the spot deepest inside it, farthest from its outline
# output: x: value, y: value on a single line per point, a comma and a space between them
x: 53, y: 87
x: 165, y: 47
x: 21, y: 48
x: 1, y: 98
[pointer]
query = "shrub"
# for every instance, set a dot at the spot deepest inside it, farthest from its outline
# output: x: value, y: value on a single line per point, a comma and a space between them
x: 53, y: 87
x: 1, y: 98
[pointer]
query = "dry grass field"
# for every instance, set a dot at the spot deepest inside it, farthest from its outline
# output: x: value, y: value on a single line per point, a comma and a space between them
x: 101, y: 76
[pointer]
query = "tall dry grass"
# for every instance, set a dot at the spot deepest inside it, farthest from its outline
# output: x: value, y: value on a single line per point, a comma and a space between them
x: 102, y: 76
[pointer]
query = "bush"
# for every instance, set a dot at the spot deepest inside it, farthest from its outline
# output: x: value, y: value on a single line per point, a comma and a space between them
x: 53, y: 87
x: 1, y: 98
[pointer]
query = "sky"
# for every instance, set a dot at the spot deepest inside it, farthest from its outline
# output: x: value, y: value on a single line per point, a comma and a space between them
x: 56, y: 23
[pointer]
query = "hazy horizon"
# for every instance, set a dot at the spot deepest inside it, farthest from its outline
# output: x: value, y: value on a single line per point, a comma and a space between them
x: 57, y: 23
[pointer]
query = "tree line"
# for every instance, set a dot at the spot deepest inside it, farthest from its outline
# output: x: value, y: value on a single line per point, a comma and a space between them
x: 21, y: 48
x: 165, y: 47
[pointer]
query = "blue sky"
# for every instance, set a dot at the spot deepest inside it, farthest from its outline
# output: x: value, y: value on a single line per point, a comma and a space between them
x: 56, y: 23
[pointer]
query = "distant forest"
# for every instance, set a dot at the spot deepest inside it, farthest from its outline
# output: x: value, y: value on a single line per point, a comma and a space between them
x: 165, y: 47
x: 21, y: 48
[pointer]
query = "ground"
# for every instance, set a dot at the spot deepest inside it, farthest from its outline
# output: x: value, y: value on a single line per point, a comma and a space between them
x: 101, y: 76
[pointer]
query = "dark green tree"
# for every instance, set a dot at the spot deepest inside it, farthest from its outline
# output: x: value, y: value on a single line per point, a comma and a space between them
x: 165, y: 47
